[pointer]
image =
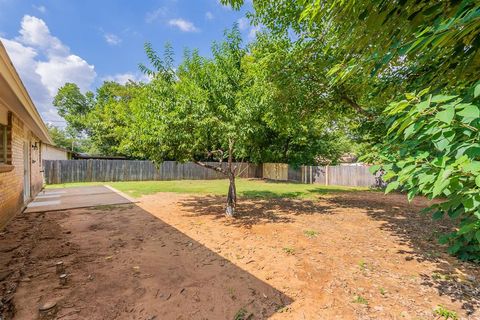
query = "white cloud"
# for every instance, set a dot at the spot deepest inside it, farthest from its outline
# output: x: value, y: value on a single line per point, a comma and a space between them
x: 34, y: 32
x: 156, y: 14
x: 58, y: 70
x: 112, y: 39
x: 183, y: 25
x: 243, y: 23
x: 42, y: 9
x: 209, y: 15
x: 45, y: 64
x: 123, y: 78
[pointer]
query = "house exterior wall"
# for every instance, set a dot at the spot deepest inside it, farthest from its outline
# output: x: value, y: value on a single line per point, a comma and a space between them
x: 12, y: 181
x: 52, y: 153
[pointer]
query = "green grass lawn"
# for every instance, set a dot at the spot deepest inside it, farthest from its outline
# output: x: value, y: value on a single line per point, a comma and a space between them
x: 248, y: 188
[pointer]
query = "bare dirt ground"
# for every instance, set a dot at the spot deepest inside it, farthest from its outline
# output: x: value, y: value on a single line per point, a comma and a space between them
x: 355, y: 255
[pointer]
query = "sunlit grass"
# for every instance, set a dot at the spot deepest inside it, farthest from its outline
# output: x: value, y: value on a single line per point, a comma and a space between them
x: 249, y: 188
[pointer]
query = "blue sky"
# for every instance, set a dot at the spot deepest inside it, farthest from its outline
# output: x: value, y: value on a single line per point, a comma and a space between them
x: 85, y: 41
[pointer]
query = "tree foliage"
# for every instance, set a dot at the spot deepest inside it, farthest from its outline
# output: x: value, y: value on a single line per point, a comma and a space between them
x: 433, y: 149
x: 430, y: 37
x: 74, y: 106
x: 97, y: 117
x: 387, y: 48
x: 226, y: 108
x: 62, y: 138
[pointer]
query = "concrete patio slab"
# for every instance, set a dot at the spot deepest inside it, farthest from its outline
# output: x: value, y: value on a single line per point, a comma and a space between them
x: 78, y: 197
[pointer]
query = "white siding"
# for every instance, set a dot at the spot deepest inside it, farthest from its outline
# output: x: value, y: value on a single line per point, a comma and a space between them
x: 52, y: 153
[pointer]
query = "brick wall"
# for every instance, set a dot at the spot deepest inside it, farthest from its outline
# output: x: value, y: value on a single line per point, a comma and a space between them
x: 11, y: 182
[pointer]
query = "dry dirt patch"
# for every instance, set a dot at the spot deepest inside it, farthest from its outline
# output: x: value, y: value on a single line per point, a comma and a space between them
x: 350, y: 256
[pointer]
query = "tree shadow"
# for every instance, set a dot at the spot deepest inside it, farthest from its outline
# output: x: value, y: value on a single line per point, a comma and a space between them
x: 338, y: 190
x: 272, y: 181
x: 129, y: 264
x: 262, y: 194
x: 420, y: 233
x: 265, y: 194
x: 452, y: 277
x: 261, y: 207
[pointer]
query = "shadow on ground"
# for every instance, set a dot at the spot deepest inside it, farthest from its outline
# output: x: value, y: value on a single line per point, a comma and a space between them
x: 254, y: 210
x: 400, y: 218
x: 122, y: 262
x: 420, y: 233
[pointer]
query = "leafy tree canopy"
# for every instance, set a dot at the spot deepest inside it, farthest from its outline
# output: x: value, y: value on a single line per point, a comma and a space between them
x: 61, y: 138
x: 226, y: 108
x: 427, y: 48
x: 430, y: 37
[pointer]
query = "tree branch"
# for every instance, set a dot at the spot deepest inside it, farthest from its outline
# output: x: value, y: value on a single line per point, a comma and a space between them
x: 209, y: 166
x: 355, y: 105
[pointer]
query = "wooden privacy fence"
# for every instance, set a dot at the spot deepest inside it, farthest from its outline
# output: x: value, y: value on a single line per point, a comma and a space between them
x: 275, y: 171
x: 346, y: 175
x: 64, y: 171
x: 343, y: 175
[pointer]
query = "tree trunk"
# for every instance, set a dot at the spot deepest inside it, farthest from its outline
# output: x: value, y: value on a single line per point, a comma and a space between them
x: 231, y: 197
x: 230, y: 173
x: 232, y: 191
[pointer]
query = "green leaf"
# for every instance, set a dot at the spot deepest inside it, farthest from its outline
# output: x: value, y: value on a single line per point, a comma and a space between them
x: 373, y: 169
x: 389, y: 175
x: 473, y: 152
x: 424, y: 91
x: 409, y: 131
x: 455, y: 247
x: 439, y: 187
x: 446, y: 116
x: 476, y: 93
x: 410, y: 96
x: 470, y: 111
x: 466, y: 228
x: 477, y: 235
x: 473, y: 167
x: 437, y: 215
x: 444, y: 239
x: 392, y: 186
x: 457, y: 213
x: 477, y: 181
x: 411, y: 194
x: 442, y: 98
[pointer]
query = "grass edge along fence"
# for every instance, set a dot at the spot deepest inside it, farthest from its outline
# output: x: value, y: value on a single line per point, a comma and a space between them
x: 68, y: 171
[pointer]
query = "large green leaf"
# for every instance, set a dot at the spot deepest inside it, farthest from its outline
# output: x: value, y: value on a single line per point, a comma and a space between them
x: 466, y: 228
x: 446, y: 116
x: 470, y: 111
x: 373, y: 169
x: 392, y: 186
x: 473, y: 167
x: 442, y: 98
